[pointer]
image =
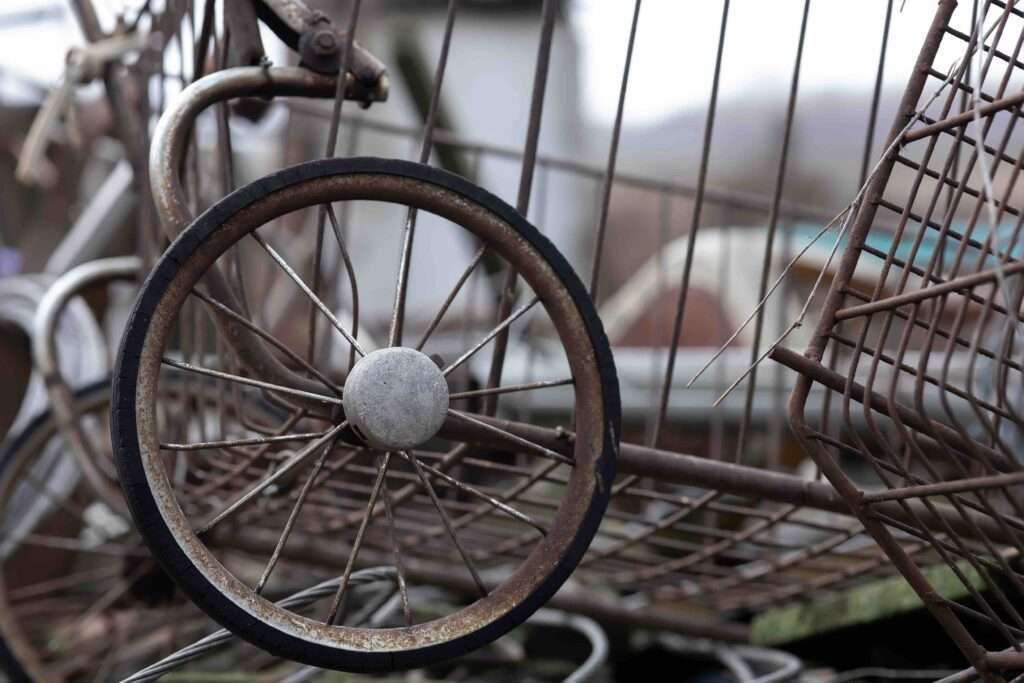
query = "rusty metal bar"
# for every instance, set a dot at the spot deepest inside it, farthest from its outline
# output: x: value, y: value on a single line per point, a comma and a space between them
x: 964, y: 118
x: 739, y: 480
x: 735, y: 199
x: 946, y: 487
x: 833, y: 380
x: 45, y: 357
x: 913, y: 296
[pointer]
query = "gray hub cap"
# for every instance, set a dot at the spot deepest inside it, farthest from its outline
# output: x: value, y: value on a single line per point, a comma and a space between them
x: 396, y: 398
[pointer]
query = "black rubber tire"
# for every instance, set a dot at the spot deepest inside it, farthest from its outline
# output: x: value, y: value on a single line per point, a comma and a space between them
x: 161, y: 540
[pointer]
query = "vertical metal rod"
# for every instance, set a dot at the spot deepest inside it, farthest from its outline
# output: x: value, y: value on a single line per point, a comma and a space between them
x: 398, y: 312
x: 876, y: 96
x: 609, y: 174
x: 508, y: 290
x: 773, y: 220
x: 332, y: 144
x: 691, y: 242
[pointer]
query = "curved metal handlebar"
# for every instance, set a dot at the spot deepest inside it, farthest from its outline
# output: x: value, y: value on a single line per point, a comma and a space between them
x: 170, y: 140
x: 44, y: 354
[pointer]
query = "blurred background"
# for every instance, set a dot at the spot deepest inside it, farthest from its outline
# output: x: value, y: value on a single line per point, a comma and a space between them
x: 484, y: 114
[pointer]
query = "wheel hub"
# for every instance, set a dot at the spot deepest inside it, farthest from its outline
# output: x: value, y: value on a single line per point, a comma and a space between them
x: 396, y: 398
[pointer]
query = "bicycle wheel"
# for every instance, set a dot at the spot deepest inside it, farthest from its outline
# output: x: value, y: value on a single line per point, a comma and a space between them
x: 507, y: 528
x: 81, y: 598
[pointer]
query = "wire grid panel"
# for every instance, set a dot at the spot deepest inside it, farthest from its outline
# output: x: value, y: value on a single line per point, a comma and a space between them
x: 922, y: 368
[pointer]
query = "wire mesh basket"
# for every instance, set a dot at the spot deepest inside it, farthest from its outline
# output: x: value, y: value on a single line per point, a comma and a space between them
x: 922, y: 368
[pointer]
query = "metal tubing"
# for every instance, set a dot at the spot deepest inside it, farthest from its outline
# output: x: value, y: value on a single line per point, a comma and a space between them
x: 172, y: 131
x: 44, y: 353
x: 964, y: 118
x: 98, y: 222
x: 170, y: 143
x: 738, y: 480
x: 833, y: 380
x: 917, y: 295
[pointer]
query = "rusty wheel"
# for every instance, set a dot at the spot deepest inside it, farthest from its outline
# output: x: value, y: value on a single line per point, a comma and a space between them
x: 393, y: 451
x: 81, y: 598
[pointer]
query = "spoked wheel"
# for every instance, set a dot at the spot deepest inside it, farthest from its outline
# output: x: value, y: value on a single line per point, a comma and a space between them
x: 372, y: 464
x: 81, y: 597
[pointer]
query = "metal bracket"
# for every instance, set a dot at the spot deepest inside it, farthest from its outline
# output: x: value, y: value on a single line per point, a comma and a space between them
x: 311, y: 34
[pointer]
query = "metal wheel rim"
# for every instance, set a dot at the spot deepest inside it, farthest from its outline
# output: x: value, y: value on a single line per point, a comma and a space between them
x: 585, y: 486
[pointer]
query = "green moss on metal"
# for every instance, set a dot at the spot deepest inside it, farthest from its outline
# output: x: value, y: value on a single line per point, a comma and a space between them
x: 859, y: 605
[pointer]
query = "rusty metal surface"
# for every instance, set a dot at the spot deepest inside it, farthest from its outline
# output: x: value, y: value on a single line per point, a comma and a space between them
x: 711, y: 537
x: 712, y: 520
x: 95, y: 467
x: 928, y: 358
x: 535, y: 555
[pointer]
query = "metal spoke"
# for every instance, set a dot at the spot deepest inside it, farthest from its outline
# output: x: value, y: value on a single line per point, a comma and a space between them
x: 343, y: 249
x: 63, y: 543
x: 332, y: 144
x: 504, y: 324
x: 447, y: 522
x: 540, y: 384
x: 238, y: 379
x: 517, y: 440
x: 403, y: 590
x: 263, y: 334
x: 293, y: 463
x: 339, y: 595
x: 230, y: 443
x: 50, y: 586
x: 296, y: 509
x: 318, y: 251
x: 308, y: 292
x: 451, y: 296
x: 490, y: 500
x: 398, y: 313
x: 214, y: 484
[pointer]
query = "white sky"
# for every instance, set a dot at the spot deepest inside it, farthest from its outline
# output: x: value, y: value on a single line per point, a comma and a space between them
x: 674, y: 56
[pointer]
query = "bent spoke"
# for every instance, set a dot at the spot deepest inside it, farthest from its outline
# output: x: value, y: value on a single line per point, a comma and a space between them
x: 353, y: 285
x: 290, y: 272
x: 293, y: 463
